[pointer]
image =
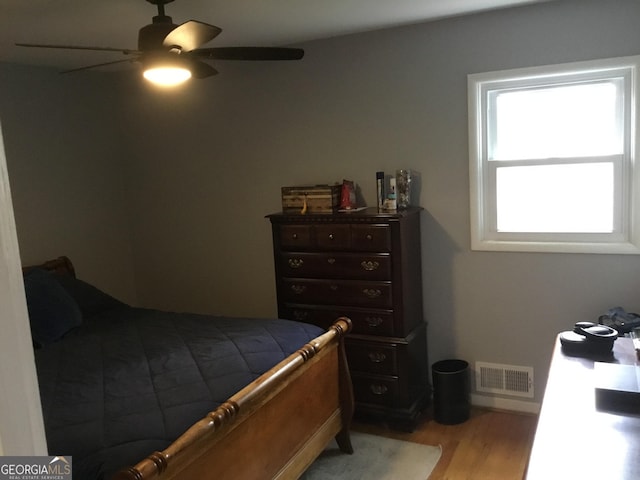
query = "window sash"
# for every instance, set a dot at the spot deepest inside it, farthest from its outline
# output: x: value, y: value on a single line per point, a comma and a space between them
x: 492, y: 131
x: 491, y: 206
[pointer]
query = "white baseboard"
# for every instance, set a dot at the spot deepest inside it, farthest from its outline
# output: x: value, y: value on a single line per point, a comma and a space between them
x: 505, y: 404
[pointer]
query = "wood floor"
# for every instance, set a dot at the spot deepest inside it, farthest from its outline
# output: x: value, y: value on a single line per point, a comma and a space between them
x: 491, y: 445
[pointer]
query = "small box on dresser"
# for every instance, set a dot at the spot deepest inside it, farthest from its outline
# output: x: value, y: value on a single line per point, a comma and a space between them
x: 365, y: 265
x: 318, y: 198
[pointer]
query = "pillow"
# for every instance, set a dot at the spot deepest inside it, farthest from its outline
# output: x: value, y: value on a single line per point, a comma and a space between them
x: 52, y: 312
x: 90, y: 299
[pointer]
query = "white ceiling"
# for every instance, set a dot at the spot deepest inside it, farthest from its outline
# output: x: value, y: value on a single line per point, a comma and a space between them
x: 115, y: 23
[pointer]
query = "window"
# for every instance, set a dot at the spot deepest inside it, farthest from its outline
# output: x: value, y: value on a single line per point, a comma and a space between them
x: 552, y: 158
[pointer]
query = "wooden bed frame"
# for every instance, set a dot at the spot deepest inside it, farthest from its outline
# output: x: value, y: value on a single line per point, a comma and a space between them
x: 274, y: 428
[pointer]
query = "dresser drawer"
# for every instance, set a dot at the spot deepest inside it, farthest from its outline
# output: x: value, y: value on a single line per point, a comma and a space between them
x: 376, y: 389
x: 336, y: 265
x: 296, y: 236
x: 371, y: 238
x: 333, y: 237
x: 337, y: 292
x: 368, y: 322
x: 371, y: 357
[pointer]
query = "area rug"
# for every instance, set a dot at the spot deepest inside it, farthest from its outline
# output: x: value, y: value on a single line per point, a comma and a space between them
x: 377, y: 458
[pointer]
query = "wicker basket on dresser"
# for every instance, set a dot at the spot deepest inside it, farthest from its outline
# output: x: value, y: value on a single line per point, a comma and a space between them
x: 365, y: 265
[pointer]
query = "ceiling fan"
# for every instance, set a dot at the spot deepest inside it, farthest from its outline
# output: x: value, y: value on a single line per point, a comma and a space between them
x: 167, y: 50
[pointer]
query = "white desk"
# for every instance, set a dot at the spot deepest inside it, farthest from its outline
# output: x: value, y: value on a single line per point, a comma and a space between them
x: 573, y: 439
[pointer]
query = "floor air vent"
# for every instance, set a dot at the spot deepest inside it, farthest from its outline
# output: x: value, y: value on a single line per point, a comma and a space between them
x: 504, y: 379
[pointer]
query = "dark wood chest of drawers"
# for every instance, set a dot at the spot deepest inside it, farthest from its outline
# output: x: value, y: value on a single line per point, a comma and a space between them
x: 364, y: 265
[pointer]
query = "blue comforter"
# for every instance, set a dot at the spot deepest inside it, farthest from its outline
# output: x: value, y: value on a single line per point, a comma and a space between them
x: 129, y: 381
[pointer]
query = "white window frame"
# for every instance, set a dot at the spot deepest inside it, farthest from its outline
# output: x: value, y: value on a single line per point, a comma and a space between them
x: 625, y: 239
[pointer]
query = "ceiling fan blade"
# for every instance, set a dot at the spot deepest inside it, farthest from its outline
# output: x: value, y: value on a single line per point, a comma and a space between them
x: 125, y: 51
x: 202, y: 70
x: 97, y: 65
x: 190, y: 35
x: 249, y: 53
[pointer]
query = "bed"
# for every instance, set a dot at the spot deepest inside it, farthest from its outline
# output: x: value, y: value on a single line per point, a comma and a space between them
x: 134, y: 393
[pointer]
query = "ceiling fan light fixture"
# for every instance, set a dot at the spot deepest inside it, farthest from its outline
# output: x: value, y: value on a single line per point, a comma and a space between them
x: 166, y: 71
x: 167, y: 76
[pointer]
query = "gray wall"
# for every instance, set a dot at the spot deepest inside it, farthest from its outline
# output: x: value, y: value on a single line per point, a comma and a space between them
x: 202, y: 167
x: 65, y: 157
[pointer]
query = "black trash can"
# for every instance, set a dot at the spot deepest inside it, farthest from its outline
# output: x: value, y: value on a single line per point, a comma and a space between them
x: 451, y: 391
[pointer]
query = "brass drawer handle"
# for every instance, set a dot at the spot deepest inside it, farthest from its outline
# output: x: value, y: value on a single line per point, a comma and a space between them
x: 370, y: 266
x: 374, y: 321
x: 377, y: 357
x: 294, y: 236
x: 372, y: 292
x: 296, y: 262
x: 369, y: 237
x: 331, y: 261
x: 334, y: 288
x: 298, y: 289
x: 378, y: 389
x: 331, y: 237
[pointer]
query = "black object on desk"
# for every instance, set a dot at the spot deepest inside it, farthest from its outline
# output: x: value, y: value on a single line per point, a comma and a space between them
x: 617, y: 387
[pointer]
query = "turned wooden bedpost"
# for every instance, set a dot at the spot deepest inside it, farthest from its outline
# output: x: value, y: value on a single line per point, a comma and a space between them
x: 343, y: 437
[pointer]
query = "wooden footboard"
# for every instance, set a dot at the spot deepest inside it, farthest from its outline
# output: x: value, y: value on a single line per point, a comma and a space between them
x: 272, y: 429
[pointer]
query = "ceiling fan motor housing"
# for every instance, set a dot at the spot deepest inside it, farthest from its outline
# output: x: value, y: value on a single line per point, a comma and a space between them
x: 150, y: 37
